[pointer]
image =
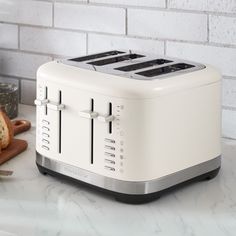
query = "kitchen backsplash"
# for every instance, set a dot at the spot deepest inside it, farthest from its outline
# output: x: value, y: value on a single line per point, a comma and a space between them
x: 34, y: 32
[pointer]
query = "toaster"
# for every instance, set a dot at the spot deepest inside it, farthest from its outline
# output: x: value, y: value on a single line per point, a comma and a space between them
x: 130, y: 124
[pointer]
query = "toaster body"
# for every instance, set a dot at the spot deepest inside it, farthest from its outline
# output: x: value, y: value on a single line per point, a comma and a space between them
x: 134, y: 133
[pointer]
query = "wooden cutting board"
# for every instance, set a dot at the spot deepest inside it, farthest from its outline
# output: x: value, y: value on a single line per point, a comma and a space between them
x: 17, y: 146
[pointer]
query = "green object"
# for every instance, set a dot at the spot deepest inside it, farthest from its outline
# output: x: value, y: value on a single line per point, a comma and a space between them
x: 9, y: 99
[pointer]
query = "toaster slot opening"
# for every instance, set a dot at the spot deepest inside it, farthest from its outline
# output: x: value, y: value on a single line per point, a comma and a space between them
x: 92, y: 132
x: 60, y: 101
x: 165, y: 70
x: 110, y: 123
x: 96, y: 56
x: 115, y: 59
x: 143, y: 65
x: 46, y: 97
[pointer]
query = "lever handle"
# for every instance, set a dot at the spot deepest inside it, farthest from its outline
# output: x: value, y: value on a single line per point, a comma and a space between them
x: 39, y: 102
x: 55, y: 106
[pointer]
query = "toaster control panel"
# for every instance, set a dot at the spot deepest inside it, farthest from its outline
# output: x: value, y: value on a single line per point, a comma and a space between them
x: 114, y: 143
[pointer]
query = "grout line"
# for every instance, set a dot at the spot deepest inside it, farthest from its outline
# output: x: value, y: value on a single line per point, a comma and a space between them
x: 126, y: 21
x: 17, y: 77
x: 53, y: 14
x: 228, y: 108
x: 18, y: 34
x: 208, y: 29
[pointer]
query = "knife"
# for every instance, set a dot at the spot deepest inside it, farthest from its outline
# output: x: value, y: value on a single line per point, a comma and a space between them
x: 5, y: 172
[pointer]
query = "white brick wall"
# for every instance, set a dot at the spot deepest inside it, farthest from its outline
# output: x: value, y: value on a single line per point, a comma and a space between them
x: 228, y: 6
x: 90, y: 18
x: 222, y: 57
x: 33, y: 32
x: 222, y: 29
x: 9, y: 36
x: 26, y: 12
x: 167, y: 25
x: 58, y: 41
x: 98, y: 42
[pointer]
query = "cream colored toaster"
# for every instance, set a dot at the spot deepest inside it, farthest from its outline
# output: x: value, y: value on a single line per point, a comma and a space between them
x: 128, y: 123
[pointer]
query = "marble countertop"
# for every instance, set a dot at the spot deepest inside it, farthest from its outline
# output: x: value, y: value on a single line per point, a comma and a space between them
x: 33, y: 204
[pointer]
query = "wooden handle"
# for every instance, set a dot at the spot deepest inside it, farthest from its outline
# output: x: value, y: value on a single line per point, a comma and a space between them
x: 20, y: 126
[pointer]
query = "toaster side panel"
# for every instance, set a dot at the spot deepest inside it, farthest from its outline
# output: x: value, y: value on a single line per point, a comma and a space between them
x: 172, y: 133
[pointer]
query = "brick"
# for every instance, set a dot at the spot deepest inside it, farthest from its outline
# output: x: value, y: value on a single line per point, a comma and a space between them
x: 229, y: 123
x: 222, y: 29
x: 147, y: 3
x: 90, y: 18
x: 229, y: 92
x: 52, y: 41
x: 221, y: 57
x: 9, y: 36
x: 26, y: 12
x: 98, y: 43
x: 28, y: 92
x: 21, y: 64
x: 204, y: 5
x: 170, y: 25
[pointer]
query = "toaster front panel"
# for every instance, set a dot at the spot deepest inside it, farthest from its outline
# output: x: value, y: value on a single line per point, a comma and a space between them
x: 82, y: 129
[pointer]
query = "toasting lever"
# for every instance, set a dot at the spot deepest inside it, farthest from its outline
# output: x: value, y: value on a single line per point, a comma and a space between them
x: 106, y: 118
x: 88, y: 114
x: 55, y: 106
x: 41, y: 102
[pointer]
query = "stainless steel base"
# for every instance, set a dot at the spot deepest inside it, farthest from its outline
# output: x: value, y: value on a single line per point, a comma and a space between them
x: 128, y: 187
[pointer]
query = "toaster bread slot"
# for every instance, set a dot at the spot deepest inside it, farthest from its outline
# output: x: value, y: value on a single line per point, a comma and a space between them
x: 92, y: 131
x: 96, y: 56
x: 165, y: 70
x: 143, y: 65
x: 115, y: 59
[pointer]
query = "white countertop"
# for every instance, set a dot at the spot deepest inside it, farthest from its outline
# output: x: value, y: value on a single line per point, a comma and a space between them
x: 33, y: 204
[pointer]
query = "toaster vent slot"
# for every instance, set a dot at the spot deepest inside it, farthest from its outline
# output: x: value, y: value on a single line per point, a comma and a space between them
x: 115, y: 59
x: 60, y: 101
x: 96, y: 56
x: 165, y: 70
x: 143, y: 65
x: 92, y: 132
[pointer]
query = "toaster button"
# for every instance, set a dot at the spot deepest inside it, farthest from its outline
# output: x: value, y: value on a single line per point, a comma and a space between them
x: 110, y: 147
x: 45, y: 147
x: 45, y: 128
x: 45, y: 122
x: 45, y: 141
x: 45, y: 135
x: 109, y: 168
x: 110, y: 161
x: 109, y: 140
x: 109, y: 154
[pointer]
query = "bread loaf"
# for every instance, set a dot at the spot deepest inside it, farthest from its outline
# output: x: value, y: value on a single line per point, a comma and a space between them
x: 6, y: 130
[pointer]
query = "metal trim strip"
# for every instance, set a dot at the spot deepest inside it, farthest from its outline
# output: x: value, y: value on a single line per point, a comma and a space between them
x: 128, y: 187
